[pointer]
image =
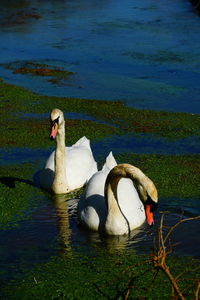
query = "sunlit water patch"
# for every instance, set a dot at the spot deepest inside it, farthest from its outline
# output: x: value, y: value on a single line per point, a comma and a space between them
x: 144, y: 53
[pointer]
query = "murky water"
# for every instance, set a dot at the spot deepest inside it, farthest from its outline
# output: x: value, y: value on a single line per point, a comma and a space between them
x: 145, y: 53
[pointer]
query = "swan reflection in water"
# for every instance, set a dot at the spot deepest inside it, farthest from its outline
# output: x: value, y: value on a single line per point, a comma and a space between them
x: 66, y: 209
x: 111, y: 243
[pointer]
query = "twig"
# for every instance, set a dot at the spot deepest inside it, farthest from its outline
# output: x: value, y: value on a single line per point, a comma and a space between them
x: 181, y: 274
x: 196, y: 293
x: 177, y: 224
x: 159, y: 259
x: 130, y: 287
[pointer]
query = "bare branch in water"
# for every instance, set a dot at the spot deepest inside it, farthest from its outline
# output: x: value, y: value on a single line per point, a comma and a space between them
x: 160, y: 255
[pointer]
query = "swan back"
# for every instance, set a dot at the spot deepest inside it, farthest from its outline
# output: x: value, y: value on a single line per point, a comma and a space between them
x: 80, y: 164
x: 91, y: 207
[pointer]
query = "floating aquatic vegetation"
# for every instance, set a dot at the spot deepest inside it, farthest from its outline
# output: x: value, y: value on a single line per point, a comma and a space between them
x: 166, y: 124
x: 20, y: 17
x: 55, y: 74
x: 130, y: 277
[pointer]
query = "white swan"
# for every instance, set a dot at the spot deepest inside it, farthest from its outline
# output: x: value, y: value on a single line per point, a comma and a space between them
x: 117, y: 199
x: 67, y: 168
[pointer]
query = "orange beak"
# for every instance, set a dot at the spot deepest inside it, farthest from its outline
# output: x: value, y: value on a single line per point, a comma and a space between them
x: 54, y: 131
x: 149, y: 214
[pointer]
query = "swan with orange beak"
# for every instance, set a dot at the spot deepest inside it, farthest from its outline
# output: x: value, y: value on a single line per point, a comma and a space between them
x: 67, y: 168
x: 117, y: 199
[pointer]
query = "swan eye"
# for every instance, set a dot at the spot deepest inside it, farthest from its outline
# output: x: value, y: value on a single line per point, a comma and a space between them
x: 54, y: 122
x: 154, y: 205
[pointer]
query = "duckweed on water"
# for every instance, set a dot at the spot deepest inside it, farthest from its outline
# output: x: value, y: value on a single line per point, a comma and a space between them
x: 27, y: 132
x: 167, y: 124
x: 174, y: 176
x: 19, y: 197
x: 99, y: 276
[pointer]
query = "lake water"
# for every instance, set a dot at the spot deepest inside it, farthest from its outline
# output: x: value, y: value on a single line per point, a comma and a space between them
x: 145, y: 53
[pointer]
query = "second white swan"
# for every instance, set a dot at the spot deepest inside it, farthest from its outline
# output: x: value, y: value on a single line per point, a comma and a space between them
x: 117, y: 199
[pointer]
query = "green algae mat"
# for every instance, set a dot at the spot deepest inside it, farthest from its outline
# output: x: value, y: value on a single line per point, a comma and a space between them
x: 99, y: 274
x: 89, y: 277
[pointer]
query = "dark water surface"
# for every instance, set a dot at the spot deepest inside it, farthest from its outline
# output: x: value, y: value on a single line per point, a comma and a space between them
x: 54, y: 230
x: 146, y: 53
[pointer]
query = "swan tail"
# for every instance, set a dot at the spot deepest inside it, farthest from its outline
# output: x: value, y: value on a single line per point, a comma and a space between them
x: 83, y: 142
x: 110, y: 162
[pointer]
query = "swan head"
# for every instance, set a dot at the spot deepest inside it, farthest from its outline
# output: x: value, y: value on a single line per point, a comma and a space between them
x: 56, y: 122
x: 149, y: 196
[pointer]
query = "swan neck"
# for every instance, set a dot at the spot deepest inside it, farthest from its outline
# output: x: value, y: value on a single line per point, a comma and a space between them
x: 142, y: 183
x: 60, y: 182
x: 116, y: 222
x: 60, y: 138
x: 111, y: 196
x: 60, y: 150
